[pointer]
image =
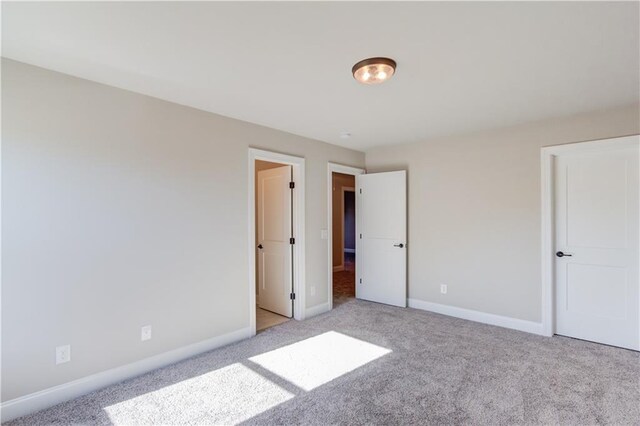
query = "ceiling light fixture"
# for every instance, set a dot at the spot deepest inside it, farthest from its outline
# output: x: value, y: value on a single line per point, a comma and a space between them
x: 374, y: 70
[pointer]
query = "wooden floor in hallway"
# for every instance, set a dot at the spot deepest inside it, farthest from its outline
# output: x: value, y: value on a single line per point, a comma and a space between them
x: 344, y: 282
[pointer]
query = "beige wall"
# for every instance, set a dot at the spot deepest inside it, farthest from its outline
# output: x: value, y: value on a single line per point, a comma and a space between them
x: 339, y: 181
x: 121, y: 210
x: 474, y: 210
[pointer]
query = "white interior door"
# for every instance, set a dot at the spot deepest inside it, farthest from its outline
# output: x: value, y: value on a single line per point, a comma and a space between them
x: 381, y: 231
x: 274, y: 250
x: 597, y: 212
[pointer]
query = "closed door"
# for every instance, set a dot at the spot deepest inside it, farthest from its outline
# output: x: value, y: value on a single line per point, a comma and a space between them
x: 597, y: 291
x: 381, y: 228
x: 274, y: 249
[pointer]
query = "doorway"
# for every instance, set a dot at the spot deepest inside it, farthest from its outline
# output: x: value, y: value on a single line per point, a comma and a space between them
x: 380, y: 236
x: 276, y: 239
x: 591, y: 241
x: 343, y: 229
x: 342, y: 233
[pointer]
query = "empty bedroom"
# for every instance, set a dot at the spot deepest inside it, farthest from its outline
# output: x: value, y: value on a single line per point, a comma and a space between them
x: 319, y: 213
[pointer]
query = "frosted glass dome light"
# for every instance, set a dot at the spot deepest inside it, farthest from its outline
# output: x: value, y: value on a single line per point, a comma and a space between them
x: 374, y: 70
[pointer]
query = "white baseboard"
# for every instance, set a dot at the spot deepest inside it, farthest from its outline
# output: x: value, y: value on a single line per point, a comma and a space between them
x: 477, y: 316
x: 316, y: 310
x: 338, y: 268
x: 27, y: 404
x: 349, y: 250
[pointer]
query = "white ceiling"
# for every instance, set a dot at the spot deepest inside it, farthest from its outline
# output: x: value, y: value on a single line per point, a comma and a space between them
x: 462, y: 67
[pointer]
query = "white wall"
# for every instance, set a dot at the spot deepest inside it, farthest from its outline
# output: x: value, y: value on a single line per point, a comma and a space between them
x: 121, y: 210
x: 474, y: 210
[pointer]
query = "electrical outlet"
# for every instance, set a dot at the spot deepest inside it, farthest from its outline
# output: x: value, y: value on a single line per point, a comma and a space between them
x: 313, y: 290
x: 443, y: 288
x: 145, y: 333
x: 63, y: 354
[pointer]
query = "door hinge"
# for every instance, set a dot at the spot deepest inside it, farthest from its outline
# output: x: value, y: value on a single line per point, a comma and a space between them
x: 360, y: 280
x: 292, y: 296
x: 292, y: 185
x: 360, y: 236
x: 292, y: 240
x: 361, y: 190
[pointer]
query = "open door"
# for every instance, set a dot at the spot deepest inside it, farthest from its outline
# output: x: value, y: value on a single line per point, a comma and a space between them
x: 381, y: 228
x: 274, y: 248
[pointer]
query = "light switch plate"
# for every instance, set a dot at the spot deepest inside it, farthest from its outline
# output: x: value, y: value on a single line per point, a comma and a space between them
x: 324, y: 234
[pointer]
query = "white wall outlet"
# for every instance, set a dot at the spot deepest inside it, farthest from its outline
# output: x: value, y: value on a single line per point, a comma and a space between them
x: 324, y: 234
x: 443, y: 288
x: 313, y: 290
x: 145, y: 333
x: 63, y: 354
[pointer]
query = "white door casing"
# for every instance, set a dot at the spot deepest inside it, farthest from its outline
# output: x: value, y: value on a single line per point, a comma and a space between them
x: 274, y: 249
x: 381, y: 232
x: 597, y: 293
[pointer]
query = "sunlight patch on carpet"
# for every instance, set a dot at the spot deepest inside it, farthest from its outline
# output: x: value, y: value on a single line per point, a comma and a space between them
x: 229, y: 395
x: 318, y: 360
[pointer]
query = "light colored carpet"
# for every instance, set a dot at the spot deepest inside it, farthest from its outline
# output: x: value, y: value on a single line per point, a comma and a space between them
x: 365, y: 363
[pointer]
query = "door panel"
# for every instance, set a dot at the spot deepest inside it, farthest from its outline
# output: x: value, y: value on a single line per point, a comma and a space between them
x: 597, y: 215
x: 597, y: 197
x: 381, y: 213
x: 597, y: 290
x: 274, y: 230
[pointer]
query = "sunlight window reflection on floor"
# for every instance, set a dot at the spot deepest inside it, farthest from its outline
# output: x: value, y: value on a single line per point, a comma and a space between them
x: 228, y: 395
x: 318, y: 360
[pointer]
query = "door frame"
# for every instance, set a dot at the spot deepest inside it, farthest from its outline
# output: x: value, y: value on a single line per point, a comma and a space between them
x: 547, y: 161
x: 298, y: 203
x: 347, y: 170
